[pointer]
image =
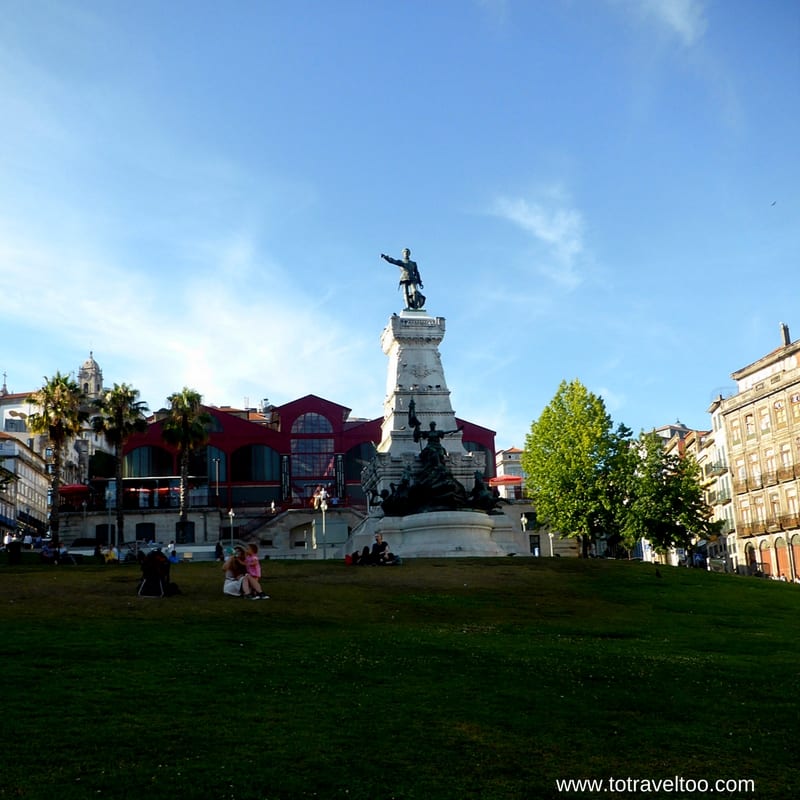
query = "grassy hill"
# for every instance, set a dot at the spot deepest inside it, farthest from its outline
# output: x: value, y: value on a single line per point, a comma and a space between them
x: 437, y: 679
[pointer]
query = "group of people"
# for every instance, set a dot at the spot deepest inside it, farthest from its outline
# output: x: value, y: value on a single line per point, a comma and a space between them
x: 53, y: 555
x: 243, y: 574
x: 380, y: 555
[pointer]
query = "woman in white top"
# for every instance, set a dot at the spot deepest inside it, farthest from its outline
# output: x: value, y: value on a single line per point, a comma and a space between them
x: 237, y: 581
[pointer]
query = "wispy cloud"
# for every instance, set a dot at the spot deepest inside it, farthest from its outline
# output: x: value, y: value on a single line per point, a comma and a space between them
x: 555, y: 226
x: 496, y: 10
x: 686, y: 19
x: 217, y: 332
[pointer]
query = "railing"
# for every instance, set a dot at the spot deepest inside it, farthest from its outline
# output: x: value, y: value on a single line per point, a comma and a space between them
x: 789, y: 521
x: 717, y: 468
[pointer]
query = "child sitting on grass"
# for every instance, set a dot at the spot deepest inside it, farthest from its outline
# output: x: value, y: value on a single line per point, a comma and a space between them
x: 254, y: 569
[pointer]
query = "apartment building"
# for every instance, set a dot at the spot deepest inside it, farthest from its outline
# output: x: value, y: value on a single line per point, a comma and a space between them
x: 23, y: 497
x: 759, y: 430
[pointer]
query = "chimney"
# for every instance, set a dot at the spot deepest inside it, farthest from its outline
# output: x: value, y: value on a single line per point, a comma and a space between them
x: 785, y: 334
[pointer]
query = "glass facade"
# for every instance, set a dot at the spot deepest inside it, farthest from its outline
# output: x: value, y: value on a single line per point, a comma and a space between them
x: 255, y: 462
x: 312, y: 422
x: 312, y: 459
x: 147, y: 462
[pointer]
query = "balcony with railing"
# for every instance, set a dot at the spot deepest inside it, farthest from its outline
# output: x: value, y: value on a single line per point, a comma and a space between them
x: 789, y: 521
x: 720, y: 496
x: 715, y: 468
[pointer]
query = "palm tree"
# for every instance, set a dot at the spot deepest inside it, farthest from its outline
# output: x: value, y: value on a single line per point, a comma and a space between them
x: 61, y: 415
x: 186, y: 428
x: 121, y: 414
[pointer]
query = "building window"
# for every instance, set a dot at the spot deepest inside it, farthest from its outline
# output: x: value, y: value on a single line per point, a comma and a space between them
x: 356, y: 459
x: 14, y: 425
x: 750, y: 426
x: 736, y: 432
x: 765, y: 422
x: 312, y: 423
x: 312, y: 458
x: 796, y: 407
x: 755, y: 468
x: 780, y: 414
x: 746, y: 514
x: 255, y: 462
x: 147, y: 462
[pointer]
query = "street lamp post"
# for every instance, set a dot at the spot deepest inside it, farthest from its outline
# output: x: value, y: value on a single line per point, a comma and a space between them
x: 108, y: 516
x: 216, y: 475
x: 324, y: 507
x: 231, y: 515
x: 552, y: 554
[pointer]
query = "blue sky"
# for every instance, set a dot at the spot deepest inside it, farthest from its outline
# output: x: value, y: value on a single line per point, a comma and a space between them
x: 199, y: 193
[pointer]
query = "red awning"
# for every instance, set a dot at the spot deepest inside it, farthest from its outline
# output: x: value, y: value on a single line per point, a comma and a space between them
x: 73, y: 488
x: 505, y: 480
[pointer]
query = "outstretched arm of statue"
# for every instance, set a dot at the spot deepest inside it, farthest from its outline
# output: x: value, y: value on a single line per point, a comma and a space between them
x: 450, y: 433
x: 391, y: 260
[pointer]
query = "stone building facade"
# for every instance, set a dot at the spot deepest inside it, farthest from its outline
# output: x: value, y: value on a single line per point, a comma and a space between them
x: 761, y: 428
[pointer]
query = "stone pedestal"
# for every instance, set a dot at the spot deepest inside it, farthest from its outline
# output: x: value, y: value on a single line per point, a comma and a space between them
x: 411, y: 340
x: 442, y: 534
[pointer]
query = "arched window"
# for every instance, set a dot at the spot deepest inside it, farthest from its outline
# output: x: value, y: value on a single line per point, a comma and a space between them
x: 782, y: 558
x: 765, y: 556
x: 795, y: 545
x: 312, y: 423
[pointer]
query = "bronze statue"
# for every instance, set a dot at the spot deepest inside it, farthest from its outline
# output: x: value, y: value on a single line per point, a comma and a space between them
x: 410, y: 280
x: 433, y: 455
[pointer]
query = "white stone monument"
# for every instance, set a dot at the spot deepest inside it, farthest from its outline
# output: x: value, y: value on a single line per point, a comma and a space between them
x: 415, y: 381
x: 411, y: 341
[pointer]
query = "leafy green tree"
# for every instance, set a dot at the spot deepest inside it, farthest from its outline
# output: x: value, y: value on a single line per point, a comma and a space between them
x: 186, y: 427
x: 571, y: 459
x: 61, y: 415
x: 120, y: 415
x: 665, y: 501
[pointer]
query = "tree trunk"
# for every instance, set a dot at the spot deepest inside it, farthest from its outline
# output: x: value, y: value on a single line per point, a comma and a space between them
x: 55, y: 500
x: 120, y: 495
x: 183, y: 518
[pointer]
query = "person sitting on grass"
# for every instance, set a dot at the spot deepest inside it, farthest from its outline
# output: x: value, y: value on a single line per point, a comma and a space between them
x: 64, y: 556
x: 237, y: 582
x: 254, y: 569
x: 380, y: 554
x: 47, y: 556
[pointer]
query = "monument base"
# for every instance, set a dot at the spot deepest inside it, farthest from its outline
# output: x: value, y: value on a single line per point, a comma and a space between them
x: 442, y: 534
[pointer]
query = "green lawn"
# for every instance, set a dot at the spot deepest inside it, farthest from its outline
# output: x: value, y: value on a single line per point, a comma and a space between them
x: 437, y: 679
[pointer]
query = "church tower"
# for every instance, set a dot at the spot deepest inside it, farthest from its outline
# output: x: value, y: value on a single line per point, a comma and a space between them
x: 90, y: 378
